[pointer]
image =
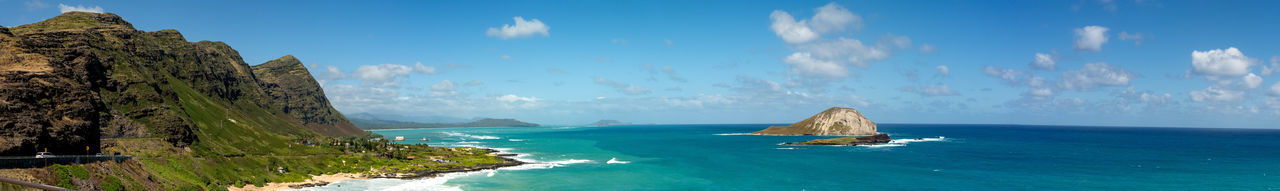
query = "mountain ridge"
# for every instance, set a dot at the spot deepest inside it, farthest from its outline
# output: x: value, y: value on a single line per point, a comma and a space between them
x: 196, y: 115
x: 293, y: 90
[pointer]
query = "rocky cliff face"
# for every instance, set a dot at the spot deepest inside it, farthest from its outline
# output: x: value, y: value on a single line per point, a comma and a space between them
x: 294, y: 91
x: 46, y: 101
x: 71, y: 80
x: 834, y: 121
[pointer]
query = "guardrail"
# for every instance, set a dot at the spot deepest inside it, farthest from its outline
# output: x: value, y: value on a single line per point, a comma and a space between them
x: 31, y: 184
x: 33, y: 162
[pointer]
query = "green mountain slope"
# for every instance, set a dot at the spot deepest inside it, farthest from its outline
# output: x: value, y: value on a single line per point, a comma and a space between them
x: 194, y: 113
x: 293, y: 90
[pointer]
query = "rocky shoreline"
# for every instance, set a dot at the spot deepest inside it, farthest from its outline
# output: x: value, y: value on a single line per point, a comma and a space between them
x: 434, y: 172
x: 323, y: 180
x: 850, y: 141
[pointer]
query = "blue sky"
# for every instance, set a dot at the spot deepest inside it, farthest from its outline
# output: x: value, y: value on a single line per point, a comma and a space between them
x: 1119, y: 62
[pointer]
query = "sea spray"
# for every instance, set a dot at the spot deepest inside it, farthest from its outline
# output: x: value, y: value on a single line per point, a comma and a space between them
x: 616, y: 161
x: 465, y: 136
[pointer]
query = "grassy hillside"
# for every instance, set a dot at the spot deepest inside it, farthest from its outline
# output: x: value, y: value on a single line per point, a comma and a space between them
x: 194, y: 113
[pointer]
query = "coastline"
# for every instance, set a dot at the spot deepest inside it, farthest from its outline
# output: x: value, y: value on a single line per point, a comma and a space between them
x: 326, y: 179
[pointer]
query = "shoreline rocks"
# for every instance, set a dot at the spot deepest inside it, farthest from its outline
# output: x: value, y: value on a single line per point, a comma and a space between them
x: 850, y: 141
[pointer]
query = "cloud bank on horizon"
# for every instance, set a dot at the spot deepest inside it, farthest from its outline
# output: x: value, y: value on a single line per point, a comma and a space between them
x: 1068, y: 63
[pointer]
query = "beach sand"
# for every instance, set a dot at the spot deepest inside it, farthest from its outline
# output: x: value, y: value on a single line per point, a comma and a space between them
x: 325, y: 179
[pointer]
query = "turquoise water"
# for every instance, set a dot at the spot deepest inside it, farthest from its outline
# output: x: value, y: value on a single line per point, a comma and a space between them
x: 947, y: 157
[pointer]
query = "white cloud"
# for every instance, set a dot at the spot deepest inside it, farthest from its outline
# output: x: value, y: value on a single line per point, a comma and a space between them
x: 36, y: 5
x: 671, y: 73
x: 505, y: 57
x: 759, y: 87
x: 1275, y: 90
x: 816, y: 61
x: 928, y: 49
x: 1109, y: 5
x: 943, y: 70
x: 834, y: 18
x: 803, y: 63
x: 423, y: 69
x: 444, y: 88
x: 845, y: 51
x: 1219, y: 62
x: 790, y: 30
x: 826, y: 19
x: 1010, y: 76
x: 1095, y: 75
x: 474, y: 83
x: 623, y: 88
x: 1275, y: 65
x: 327, y: 73
x: 388, y: 75
x: 1044, y: 61
x: 1040, y: 92
x: 522, y: 28
x: 1216, y: 94
x: 1091, y: 38
x: 79, y: 8
x: 1136, y: 37
x: 929, y: 90
x: 1252, y: 81
x: 668, y: 42
x: 512, y: 98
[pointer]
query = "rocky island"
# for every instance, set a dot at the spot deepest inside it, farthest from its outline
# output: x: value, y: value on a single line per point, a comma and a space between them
x: 836, y: 121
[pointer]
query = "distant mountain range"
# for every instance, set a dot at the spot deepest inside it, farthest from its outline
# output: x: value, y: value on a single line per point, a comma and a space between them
x: 415, y: 119
x: 609, y: 122
x: 369, y: 121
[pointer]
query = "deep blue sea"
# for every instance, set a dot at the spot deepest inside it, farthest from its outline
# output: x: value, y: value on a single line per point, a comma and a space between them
x: 924, y: 157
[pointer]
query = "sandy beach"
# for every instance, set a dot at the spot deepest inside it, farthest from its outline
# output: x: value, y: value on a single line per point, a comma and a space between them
x: 314, y: 181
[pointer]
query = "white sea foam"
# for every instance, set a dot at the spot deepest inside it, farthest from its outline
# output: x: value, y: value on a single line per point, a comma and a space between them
x: 438, y: 182
x: 616, y: 161
x: 904, y: 142
x: 515, y: 140
x: 465, y: 136
x: 546, y: 165
x: 785, y: 148
x: 883, y: 145
x: 468, y: 142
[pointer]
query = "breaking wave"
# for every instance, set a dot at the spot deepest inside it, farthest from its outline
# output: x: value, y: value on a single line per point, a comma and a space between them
x: 465, y: 136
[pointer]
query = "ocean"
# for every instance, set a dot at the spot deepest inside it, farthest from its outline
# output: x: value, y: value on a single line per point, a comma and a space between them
x: 922, y: 157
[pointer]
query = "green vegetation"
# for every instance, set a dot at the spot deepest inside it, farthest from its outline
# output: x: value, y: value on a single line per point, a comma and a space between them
x: 64, y: 173
x: 195, y: 115
x: 73, y: 20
